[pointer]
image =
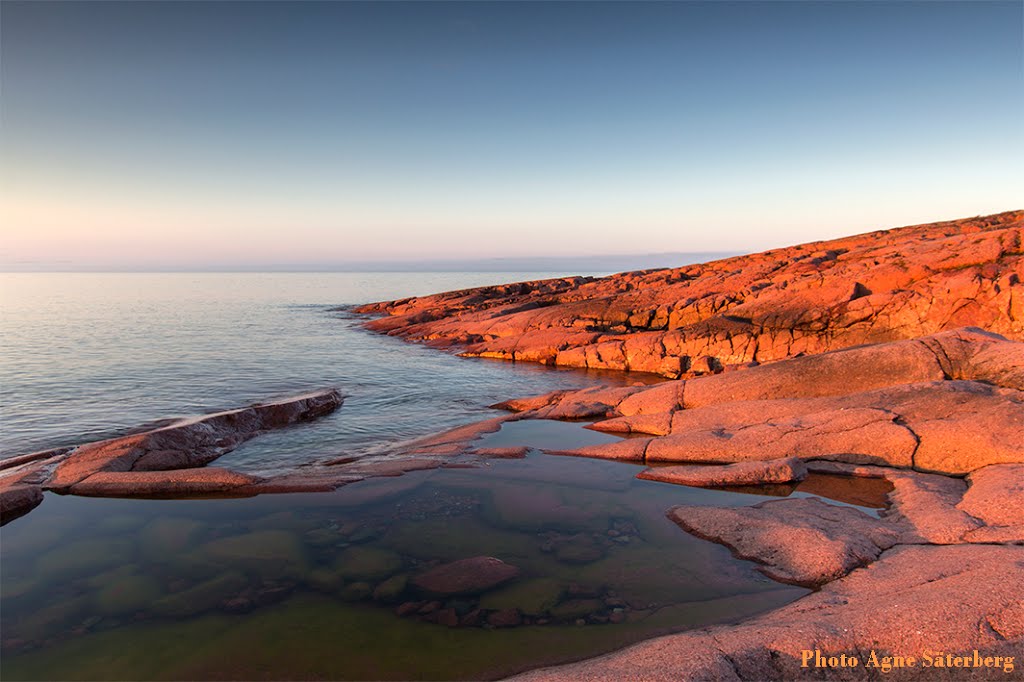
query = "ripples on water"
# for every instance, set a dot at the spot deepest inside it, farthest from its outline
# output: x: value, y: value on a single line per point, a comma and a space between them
x: 87, y: 356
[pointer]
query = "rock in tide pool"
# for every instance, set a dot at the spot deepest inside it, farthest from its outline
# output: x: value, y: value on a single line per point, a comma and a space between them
x: 391, y: 589
x: 532, y: 597
x: 466, y: 576
x: 784, y: 470
x: 269, y: 554
x: 801, y: 541
x: 202, y: 597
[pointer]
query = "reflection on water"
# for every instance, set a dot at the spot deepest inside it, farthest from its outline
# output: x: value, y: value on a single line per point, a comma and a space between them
x: 310, y: 586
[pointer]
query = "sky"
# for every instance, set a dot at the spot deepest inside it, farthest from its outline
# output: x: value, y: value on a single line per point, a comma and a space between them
x: 145, y: 135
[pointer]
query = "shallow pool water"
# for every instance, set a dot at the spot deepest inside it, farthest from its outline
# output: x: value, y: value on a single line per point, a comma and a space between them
x: 311, y: 586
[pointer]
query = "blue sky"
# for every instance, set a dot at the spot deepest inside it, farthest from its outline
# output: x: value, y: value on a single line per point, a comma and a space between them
x: 203, y: 134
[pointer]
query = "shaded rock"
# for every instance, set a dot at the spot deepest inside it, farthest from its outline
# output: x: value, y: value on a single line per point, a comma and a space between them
x: 532, y: 597
x: 203, y: 597
x: 579, y: 549
x: 742, y: 473
x: 925, y: 504
x: 506, y: 618
x: 408, y: 608
x: 391, y: 589
x: 447, y: 617
x: 127, y: 595
x: 269, y: 554
x: 189, y: 443
x: 18, y: 500
x: 466, y: 576
x: 357, y: 591
x: 324, y: 580
x: 800, y: 541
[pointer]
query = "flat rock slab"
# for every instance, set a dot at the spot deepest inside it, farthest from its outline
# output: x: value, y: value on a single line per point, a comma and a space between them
x: 996, y: 495
x: 189, y: 443
x: 466, y: 576
x: 771, y: 471
x: 914, y: 599
x: 180, y: 482
x: 799, y: 541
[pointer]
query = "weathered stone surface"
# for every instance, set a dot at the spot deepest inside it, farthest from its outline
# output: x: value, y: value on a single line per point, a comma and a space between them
x: 996, y: 495
x: 869, y: 288
x: 948, y: 599
x: 178, y: 482
x: 189, y: 443
x: 801, y: 541
x: 923, y: 507
x: 17, y: 500
x: 742, y: 473
x: 465, y: 576
x: 926, y: 505
x: 950, y: 427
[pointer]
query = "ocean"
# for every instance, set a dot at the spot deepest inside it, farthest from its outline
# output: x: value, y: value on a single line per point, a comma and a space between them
x: 89, y: 355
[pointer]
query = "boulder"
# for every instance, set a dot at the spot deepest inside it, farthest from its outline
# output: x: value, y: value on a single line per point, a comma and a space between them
x: 465, y: 576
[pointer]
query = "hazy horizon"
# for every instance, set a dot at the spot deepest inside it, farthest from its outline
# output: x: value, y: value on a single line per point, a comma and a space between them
x: 237, y: 136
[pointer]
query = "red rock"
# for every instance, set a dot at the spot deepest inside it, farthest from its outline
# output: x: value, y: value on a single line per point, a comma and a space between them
x: 447, y: 617
x: 159, y: 483
x: 812, y: 298
x: 18, y: 500
x: 742, y: 473
x: 505, y: 618
x: 408, y: 608
x: 950, y: 427
x: 996, y: 495
x: 189, y: 443
x: 801, y: 541
x: 466, y: 576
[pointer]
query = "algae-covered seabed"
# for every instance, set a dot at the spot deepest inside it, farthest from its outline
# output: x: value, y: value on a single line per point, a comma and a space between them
x: 281, y: 587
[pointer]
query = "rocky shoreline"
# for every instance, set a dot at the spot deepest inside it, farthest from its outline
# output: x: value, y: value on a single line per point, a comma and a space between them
x: 894, y: 355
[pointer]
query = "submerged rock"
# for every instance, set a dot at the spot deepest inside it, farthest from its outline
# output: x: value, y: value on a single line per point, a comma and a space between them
x: 532, y: 597
x: 203, y: 597
x: 466, y: 576
x: 269, y: 554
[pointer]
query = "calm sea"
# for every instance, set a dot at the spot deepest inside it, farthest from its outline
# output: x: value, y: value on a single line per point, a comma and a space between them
x: 87, y: 356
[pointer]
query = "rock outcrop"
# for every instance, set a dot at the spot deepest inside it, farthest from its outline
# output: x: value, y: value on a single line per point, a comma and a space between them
x: 168, y: 460
x: 807, y: 299
x: 928, y: 404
